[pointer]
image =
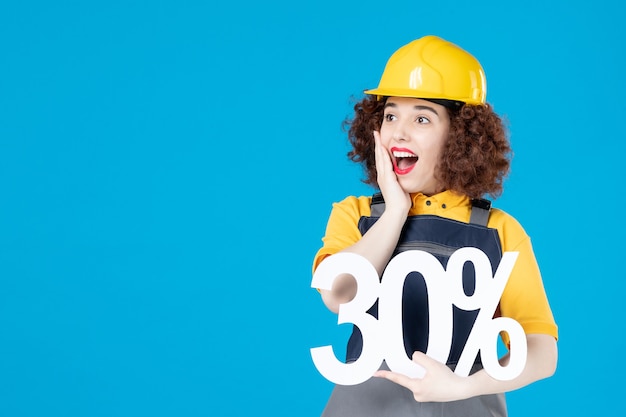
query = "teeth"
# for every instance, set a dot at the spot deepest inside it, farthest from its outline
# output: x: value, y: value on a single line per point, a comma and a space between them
x: 398, y: 154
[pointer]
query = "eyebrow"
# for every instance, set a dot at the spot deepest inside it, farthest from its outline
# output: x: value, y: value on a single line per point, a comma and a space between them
x: 418, y: 107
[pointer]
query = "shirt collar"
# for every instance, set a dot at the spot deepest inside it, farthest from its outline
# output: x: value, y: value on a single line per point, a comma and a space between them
x: 447, y: 199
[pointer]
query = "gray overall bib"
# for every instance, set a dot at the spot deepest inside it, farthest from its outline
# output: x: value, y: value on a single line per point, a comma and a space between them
x: 439, y: 236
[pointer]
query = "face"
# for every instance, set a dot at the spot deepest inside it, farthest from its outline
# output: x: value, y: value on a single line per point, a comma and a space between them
x: 414, y: 132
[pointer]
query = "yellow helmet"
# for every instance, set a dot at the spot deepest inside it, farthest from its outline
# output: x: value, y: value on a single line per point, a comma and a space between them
x: 431, y: 67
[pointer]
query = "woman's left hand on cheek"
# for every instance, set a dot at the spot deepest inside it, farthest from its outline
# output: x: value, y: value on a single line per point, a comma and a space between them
x: 438, y: 384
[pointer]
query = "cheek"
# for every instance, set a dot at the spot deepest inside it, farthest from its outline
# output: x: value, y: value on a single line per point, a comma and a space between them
x: 434, y: 153
x: 438, y: 145
x: 385, y: 137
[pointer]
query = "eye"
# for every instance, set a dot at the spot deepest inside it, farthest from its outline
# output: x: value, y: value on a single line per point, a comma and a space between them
x: 389, y: 117
x: 422, y: 120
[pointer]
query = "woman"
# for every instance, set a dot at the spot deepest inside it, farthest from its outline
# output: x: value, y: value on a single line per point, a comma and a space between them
x: 431, y: 144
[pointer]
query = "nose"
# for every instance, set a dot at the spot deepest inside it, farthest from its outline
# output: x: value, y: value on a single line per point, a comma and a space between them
x: 399, y: 132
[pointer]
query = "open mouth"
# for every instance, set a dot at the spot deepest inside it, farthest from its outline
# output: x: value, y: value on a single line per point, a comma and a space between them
x: 403, y: 160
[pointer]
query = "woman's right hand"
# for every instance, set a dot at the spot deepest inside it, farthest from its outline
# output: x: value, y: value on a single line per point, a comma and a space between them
x: 378, y: 243
x: 396, y: 199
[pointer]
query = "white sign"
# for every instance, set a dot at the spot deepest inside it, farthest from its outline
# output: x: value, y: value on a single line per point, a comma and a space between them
x: 382, y: 337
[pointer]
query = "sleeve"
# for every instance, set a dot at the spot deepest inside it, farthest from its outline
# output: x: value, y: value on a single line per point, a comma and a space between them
x: 342, y: 229
x: 524, y: 298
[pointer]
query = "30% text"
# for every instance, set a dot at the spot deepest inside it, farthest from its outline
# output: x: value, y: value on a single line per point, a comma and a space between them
x: 382, y: 337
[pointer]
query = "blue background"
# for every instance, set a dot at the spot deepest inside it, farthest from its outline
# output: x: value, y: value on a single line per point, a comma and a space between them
x: 167, y: 169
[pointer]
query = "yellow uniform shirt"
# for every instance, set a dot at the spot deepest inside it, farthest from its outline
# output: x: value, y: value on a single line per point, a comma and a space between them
x: 524, y: 298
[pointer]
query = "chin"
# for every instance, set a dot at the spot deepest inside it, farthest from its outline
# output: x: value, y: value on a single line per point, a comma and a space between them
x: 410, y: 186
x: 413, y: 190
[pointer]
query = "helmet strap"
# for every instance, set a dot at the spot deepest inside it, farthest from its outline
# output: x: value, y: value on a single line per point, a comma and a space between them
x: 452, y: 105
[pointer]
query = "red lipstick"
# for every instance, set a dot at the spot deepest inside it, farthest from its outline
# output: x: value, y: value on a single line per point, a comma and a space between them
x: 404, y: 160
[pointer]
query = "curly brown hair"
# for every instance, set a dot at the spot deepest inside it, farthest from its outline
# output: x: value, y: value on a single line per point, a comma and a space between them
x: 475, y: 158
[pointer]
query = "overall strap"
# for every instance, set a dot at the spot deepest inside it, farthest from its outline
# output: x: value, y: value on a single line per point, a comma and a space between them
x: 480, y: 211
x: 377, y: 205
x: 479, y: 216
